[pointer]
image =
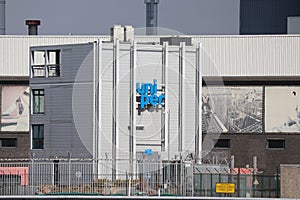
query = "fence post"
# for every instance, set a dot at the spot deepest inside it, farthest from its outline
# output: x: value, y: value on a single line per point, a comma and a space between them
x: 238, y: 181
x: 69, y: 162
x: 32, y: 165
x: 56, y: 175
x: 277, y: 183
x: 211, y: 184
x: 127, y: 185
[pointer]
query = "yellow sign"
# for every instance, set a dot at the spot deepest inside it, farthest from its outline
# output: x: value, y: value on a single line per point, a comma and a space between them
x: 225, y: 188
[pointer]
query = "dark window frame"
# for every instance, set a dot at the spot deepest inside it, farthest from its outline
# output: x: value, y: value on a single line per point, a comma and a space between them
x: 37, y: 132
x: 38, y: 101
x: 8, y: 143
x: 218, y: 144
x: 275, y: 146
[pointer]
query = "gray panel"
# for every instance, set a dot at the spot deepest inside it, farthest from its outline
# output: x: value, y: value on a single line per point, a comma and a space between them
x: 293, y: 25
x: 68, y: 117
x: 149, y: 67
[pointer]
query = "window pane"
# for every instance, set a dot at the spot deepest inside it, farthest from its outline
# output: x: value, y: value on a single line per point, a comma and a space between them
x: 38, y: 101
x: 9, y: 142
x: 42, y: 104
x: 276, y: 144
x: 223, y: 143
x: 37, y: 136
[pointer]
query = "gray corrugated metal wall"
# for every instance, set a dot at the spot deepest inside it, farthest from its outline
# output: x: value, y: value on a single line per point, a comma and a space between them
x: 275, y: 55
x: 69, y: 100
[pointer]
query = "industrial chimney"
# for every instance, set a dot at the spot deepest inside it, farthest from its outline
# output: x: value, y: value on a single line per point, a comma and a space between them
x: 2, y: 17
x: 151, y: 16
x: 33, y: 26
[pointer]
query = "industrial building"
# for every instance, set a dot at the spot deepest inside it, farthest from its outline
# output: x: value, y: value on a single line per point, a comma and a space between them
x: 251, y: 69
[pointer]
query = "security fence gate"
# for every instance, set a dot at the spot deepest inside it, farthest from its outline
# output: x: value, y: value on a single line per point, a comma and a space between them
x: 37, y: 177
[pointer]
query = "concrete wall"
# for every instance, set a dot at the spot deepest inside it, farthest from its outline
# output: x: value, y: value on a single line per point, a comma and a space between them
x: 289, y: 181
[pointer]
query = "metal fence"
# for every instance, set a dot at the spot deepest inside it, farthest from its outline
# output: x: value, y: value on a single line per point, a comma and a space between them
x: 107, y: 177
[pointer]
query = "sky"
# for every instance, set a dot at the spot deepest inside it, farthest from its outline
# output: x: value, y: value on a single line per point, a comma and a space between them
x: 96, y: 17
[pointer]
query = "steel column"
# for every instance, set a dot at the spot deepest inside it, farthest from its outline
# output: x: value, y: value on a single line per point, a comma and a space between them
x: 198, y: 107
x: 164, y: 114
x: 115, y: 106
x: 132, y: 136
x: 181, y: 96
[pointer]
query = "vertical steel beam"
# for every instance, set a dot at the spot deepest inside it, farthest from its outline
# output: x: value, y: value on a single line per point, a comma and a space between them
x: 115, y: 106
x: 95, y: 104
x: 132, y: 136
x: 164, y: 114
x: 198, y: 107
x: 99, y: 104
x: 181, y: 96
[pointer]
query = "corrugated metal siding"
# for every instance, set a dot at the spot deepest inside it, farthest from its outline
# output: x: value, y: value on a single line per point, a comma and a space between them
x: 123, y: 109
x: 250, y: 55
x: 173, y: 97
x: 68, y: 117
x: 106, y: 98
x: 149, y: 67
x: 14, y: 50
x: 275, y: 55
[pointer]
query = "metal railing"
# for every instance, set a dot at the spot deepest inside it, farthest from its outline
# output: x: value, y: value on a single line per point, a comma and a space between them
x: 40, y: 177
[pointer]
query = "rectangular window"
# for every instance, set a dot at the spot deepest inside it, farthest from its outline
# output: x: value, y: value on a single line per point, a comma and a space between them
x: 8, y: 142
x: 222, y: 143
x: 37, y: 136
x: 53, y: 63
x: 38, y: 101
x: 276, y: 144
x: 45, y: 63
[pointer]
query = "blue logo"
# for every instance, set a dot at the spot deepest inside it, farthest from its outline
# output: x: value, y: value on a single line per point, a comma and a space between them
x: 148, y: 94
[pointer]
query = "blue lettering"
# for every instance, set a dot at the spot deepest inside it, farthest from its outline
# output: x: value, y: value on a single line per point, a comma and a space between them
x: 141, y: 89
x: 148, y: 92
x: 154, y: 100
x: 144, y: 100
x: 154, y: 88
x: 161, y: 97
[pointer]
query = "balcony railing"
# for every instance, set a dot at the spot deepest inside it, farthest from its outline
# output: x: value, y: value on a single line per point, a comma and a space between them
x: 39, y: 71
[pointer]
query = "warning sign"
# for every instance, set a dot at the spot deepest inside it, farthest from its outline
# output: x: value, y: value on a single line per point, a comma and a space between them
x: 227, y: 188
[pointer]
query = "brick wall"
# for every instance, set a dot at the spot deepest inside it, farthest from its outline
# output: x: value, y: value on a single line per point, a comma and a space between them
x: 22, y: 148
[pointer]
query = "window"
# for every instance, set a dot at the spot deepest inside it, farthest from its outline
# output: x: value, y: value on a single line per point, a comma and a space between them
x: 45, y: 63
x: 38, y: 101
x: 8, y: 142
x: 53, y: 63
x: 276, y: 144
x: 222, y: 143
x: 37, y: 136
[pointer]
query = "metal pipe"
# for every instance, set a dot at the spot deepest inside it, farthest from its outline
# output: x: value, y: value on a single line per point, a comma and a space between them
x: 181, y: 96
x: 115, y: 106
x: 254, y: 165
x: 132, y: 145
x: 198, y: 106
x: 165, y: 115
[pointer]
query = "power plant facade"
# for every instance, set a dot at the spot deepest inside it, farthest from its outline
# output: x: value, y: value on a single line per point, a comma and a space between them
x: 92, y: 98
x: 87, y: 99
